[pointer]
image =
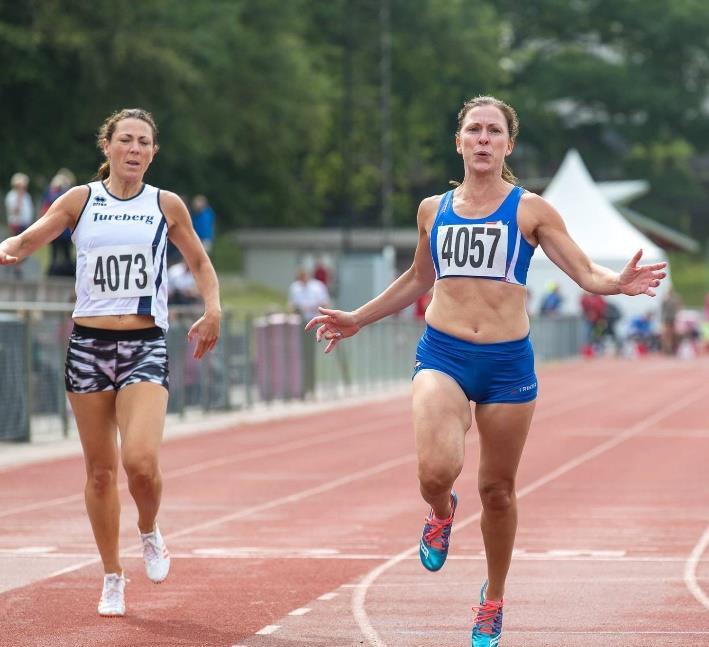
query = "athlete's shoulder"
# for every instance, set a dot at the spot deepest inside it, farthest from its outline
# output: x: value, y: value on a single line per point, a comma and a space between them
x: 170, y: 200
x: 172, y: 206
x: 534, y: 204
x: 535, y: 212
x: 75, y: 198
x: 430, y: 204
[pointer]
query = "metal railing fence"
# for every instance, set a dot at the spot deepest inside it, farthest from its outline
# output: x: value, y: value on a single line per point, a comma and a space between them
x: 262, y: 360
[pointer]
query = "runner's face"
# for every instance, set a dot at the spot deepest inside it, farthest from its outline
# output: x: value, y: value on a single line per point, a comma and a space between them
x: 484, y: 141
x: 131, y: 149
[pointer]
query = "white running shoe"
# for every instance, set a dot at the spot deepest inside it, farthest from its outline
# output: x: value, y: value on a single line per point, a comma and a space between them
x: 112, y: 603
x: 155, y: 555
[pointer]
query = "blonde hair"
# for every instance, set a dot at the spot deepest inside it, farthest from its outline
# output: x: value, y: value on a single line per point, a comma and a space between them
x: 19, y: 178
x: 108, y: 127
x: 510, y: 116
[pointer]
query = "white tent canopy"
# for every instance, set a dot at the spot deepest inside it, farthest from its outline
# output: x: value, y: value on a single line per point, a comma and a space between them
x: 600, y: 230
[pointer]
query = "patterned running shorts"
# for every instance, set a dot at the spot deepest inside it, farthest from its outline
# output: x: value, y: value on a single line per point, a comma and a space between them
x: 108, y: 360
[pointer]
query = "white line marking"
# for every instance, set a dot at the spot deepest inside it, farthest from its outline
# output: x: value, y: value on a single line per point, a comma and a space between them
x: 300, y: 612
x: 309, y: 492
x: 690, y: 570
x: 611, y: 633
x: 35, y: 551
x: 298, y: 496
x: 291, y: 498
x: 209, y: 464
x: 256, y: 551
x: 261, y: 453
x: 360, y: 592
x: 522, y: 557
x: 268, y: 629
x: 327, y: 596
x: 75, y: 567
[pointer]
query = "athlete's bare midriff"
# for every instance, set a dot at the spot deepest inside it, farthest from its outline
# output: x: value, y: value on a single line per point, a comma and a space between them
x: 479, y: 310
x: 116, y: 322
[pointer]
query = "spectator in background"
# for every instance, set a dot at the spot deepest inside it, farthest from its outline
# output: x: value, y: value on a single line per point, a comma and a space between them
x: 203, y: 218
x: 61, y: 260
x: 19, y: 209
x: 306, y: 294
x: 181, y: 286
x: 669, y: 308
x: 551, y: 300
x: 421, y: 305
x: 18, y: 204
x: 593, y: 307
x: 321, y: 272
x: 611, y: 319
x: 642, y: 331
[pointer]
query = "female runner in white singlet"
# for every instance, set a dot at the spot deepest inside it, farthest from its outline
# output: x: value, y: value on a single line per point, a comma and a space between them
x: 116, y: 369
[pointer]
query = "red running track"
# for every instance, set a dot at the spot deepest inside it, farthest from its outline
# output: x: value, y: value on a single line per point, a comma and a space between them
x: 304, y: 531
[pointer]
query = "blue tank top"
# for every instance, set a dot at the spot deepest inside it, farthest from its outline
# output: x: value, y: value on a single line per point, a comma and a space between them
x: 490, y: 248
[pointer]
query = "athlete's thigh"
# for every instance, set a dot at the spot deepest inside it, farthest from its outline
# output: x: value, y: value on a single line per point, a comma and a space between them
x: 441, y: 414
x: 503, y: 429
x: 141, y: 409
x: 95, y: 415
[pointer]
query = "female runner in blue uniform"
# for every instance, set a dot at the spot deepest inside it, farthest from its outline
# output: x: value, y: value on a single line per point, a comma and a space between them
x: 475, y: 244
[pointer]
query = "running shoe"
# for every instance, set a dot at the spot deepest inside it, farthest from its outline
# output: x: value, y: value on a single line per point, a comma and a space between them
x: 433, y: 548
x: 112, y: 603
x: 155, y: 555
x: 488, y: 621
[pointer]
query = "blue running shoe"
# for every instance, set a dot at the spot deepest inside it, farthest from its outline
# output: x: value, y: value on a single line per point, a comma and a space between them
x: 488, y: 622
x: 433, y: 548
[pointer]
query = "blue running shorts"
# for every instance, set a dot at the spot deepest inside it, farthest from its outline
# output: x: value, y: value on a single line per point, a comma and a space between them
x: 487, y: 373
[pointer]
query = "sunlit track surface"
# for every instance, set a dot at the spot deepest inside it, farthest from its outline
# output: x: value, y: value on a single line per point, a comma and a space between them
x: 303, y: 531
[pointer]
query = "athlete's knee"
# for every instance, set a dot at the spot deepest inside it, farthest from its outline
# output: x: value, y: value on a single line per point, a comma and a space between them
x: 140, y: 470
x: 101, y: 479
x: 497, y: 496
x: 435, y: 476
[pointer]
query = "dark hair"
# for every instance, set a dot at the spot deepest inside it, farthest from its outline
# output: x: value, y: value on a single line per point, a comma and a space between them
x: 108, y: 127
x: 510, y: 116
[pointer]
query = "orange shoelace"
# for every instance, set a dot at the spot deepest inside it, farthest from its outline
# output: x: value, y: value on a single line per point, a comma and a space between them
x: 488, y: 618
x: 437, y: 532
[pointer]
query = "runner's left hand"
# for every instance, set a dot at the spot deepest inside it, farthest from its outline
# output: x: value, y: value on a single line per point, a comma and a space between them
x: 206, y: 331
x: 641, y: 279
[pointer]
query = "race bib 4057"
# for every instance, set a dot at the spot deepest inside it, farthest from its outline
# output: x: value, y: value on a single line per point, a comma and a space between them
x: 120, y: 271
x: 472, y: 250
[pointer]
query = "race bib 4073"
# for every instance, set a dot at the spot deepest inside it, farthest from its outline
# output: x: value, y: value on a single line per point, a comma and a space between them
x: 120, y: 271
x: 472, y: 250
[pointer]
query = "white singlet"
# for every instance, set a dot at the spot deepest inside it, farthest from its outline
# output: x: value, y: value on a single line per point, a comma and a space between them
x: 120, y: 255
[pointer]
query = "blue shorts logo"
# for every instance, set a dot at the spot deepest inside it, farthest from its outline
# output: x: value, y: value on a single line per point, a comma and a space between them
x: 526, y: 388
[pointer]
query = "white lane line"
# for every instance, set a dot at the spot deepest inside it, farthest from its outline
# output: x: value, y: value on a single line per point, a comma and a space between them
x: 291, y: 498
x: 268, y: 451
x: 327, y: 596
x: 609, y: 633
x: 300, y: 612
x: 267, y: 630
x: 360, y: 592
x: 71, y: 569
x: 346, y: 480
x: 570, y: 632
x: 690, y: 570
x: 523, y: 557
x: 298, y: 496
x: 304, y: 443
x: 34, y: 551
